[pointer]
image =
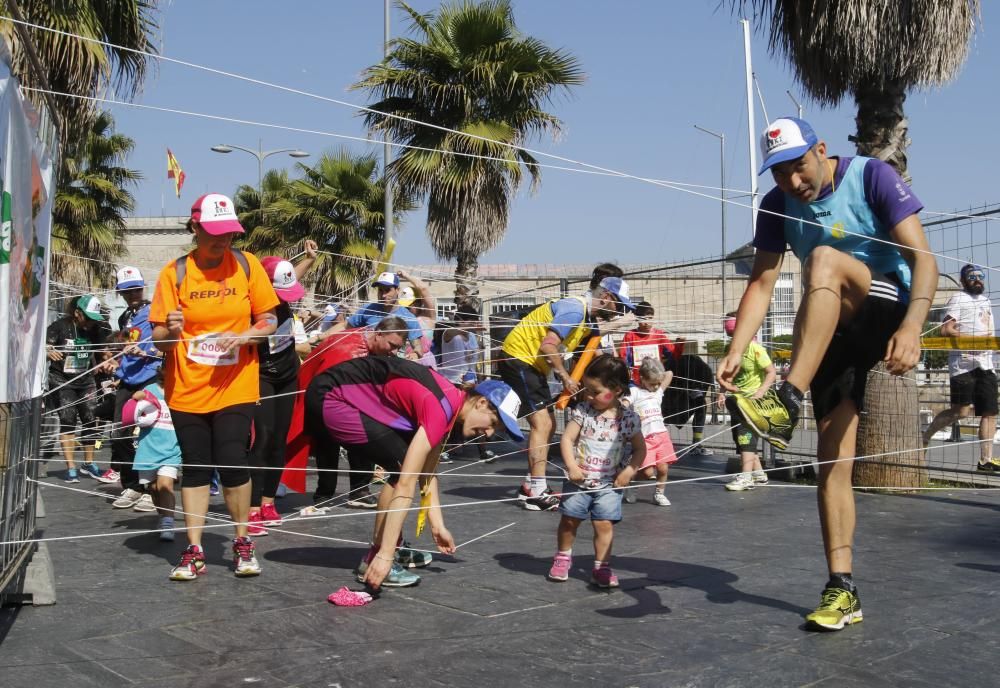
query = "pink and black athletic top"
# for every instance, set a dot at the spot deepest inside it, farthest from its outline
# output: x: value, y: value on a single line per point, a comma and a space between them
x: 393, y: 392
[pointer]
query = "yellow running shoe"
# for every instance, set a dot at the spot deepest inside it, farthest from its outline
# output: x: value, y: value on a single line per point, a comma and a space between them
x: 837, y: 609
x: 769, y: 417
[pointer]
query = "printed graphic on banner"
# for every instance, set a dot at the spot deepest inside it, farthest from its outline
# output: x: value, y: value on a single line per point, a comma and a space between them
x: 27, y: 190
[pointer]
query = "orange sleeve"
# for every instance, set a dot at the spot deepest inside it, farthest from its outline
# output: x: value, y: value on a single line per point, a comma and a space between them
x: 165, y: 296
x: 262, y: 295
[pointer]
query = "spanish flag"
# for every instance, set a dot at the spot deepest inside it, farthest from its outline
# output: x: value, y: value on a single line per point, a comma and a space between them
x: 175, y: 172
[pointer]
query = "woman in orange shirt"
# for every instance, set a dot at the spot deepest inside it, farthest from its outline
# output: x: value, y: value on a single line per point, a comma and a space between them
x: 210, y: 309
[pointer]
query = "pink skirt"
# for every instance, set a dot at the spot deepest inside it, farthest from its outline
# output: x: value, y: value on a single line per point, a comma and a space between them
x: 659, y: 449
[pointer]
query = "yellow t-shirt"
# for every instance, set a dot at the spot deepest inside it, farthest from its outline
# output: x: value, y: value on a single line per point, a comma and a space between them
x: 199, y: 378
x: 753, y: 367
x: 566, y: 317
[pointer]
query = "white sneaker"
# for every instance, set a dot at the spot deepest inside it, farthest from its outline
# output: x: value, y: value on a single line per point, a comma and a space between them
x: 145, y: 503
x: 127, y: 499
x: 742, y: 481
x: 630, y: 495
x: 760, y: 478
x: 660, y: 499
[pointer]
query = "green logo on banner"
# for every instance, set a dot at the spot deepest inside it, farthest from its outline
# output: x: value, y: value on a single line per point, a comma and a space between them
x: 6, y: 237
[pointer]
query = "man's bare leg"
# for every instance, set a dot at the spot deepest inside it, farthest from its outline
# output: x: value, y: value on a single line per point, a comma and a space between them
x: 987, y: 430
x: 838, y: 432
x: 542, y: 426
x: 946, y: 418
x: 835, y: 285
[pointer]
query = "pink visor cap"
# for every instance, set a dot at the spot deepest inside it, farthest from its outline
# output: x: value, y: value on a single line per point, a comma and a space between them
x: 143, y: 413
x: 216, y: 214
x: 282, y: 275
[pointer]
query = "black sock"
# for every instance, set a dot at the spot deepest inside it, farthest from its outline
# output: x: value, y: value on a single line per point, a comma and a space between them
x: 792, y: 397
x: 844, y: 581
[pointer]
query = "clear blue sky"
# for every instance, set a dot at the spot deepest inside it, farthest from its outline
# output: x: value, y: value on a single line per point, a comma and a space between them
x: 654, y: 70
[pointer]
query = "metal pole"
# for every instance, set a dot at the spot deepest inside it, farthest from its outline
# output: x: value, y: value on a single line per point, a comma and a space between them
x: 260, y: 173
x: 387, y: 149
x: 751, y: 126
x: 722, y: 198
x: 798, y: 105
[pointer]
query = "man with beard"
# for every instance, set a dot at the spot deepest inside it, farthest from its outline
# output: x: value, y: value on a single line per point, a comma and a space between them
x: 973, y: 379
x: 534, y: 348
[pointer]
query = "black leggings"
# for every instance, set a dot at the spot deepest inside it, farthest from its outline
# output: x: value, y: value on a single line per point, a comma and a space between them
x: 123, y: 439
x: 271, y: 419
x: 327, y: 451
x: 212, y: 441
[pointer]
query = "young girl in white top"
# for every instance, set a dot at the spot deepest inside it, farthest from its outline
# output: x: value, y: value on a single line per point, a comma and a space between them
x: 647, y: 402
x: 602, y: 447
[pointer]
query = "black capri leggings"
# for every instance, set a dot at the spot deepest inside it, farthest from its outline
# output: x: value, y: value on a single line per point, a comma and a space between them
x: 270, y: 424
x: 210, y: 441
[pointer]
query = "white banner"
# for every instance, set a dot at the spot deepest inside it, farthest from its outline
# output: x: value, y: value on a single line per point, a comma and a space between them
x: 27, y: 190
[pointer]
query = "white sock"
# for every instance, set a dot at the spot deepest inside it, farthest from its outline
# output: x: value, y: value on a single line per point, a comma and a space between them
x: 538, y: 485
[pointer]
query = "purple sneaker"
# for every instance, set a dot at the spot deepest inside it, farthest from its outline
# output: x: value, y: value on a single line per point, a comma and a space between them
x: 604, y: 577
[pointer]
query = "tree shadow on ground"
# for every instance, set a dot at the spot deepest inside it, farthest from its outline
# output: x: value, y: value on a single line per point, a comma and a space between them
x: 717, y: 584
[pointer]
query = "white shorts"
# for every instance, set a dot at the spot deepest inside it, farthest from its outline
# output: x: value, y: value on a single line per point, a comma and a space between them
x: 147, y: 477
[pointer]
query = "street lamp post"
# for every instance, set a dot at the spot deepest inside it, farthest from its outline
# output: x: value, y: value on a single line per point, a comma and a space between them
x: 261, y: 155
x: 798, y: 105
x: 722, y: 198
x: 386, y: 149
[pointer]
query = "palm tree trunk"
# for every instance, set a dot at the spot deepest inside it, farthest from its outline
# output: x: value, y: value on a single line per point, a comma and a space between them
x: 891, y: 424
x: 889, y: 433
x: 883, y: 127
x: 466, y: 271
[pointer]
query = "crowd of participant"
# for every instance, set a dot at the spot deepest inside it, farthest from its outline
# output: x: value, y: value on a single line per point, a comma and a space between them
x: 217, y: 379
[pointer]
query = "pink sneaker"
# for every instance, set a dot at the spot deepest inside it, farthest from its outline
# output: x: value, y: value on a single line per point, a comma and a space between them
x: 256, y: 527
x: 604, y: 577
x: 561, y: 564
x: 270, y: 515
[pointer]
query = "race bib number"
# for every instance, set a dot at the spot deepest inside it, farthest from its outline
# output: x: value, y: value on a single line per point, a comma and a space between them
x: 208, y: 350
x: 645, y: 351
x: 77, y: 358
x: 282, y: 338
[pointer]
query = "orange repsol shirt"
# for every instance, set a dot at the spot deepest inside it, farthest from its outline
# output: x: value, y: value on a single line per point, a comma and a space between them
x: 199, y: 377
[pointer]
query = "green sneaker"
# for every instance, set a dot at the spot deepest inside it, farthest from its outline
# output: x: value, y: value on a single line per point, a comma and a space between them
x: 398, y: 576
x: 837, y: 609
x: 412, y: 558
x: 769, y: 417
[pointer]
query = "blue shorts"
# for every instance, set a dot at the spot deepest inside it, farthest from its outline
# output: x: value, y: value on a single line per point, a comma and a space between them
x: 602, y: 504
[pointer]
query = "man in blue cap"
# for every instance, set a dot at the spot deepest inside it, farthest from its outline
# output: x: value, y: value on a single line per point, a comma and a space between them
x: 371, y: 314
x: 534, y: 348
x: 969, y: 313
x: 868, y: 282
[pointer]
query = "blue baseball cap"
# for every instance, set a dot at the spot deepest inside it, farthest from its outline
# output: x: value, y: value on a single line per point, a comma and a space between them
x: 505, y: 402
x: 618, y: 287
x: 387, y: 279
x: 969, y: 267
x: 786, y: 138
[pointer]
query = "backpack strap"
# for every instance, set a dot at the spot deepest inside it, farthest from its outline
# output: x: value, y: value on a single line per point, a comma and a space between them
x: 180, y: 266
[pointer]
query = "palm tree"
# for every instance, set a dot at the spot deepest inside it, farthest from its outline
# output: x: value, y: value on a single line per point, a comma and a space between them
x: 876, y: 51
x: 338, y: 202
x: 469, y: 70
x: 91, y: 203
x: 873, y: 50
x: 71, y: 65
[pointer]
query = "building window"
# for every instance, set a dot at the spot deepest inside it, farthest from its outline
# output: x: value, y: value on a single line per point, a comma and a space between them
x: 783, y: 305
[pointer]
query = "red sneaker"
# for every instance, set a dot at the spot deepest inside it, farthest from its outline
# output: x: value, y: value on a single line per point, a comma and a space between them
x: 270, y: 515
x: 256, y: 525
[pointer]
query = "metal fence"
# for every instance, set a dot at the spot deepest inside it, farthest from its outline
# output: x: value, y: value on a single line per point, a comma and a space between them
x: 19, y: 466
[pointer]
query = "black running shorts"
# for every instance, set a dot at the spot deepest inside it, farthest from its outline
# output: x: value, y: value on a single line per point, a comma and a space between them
x: 530, y: 386
x: 977, y: 388
x: 858, y: 346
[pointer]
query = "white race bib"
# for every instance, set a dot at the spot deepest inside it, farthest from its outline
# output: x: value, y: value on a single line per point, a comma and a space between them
x: 641, y: 351
x: 208, y: 350
x: 282, y: 338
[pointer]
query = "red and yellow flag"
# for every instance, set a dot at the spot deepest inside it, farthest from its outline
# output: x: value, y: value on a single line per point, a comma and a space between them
x: 175, y: 172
